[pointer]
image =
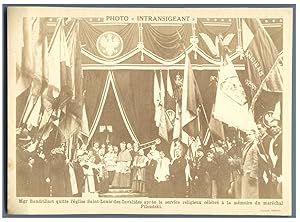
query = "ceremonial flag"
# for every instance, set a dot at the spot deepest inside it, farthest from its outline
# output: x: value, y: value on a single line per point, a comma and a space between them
x: 177, y: 122
x: 59, y: 89
x: 34, y: 66
x: 32, y: 112
x: 59, y: 64
x: 165, y: 125
x: 277, y: 111
x: 72, y: 120
x: 191, y: 101
x: 84, y: 122
x: 271, y: 86
x: 24, y: 65
x: 260, y: 55
x: 216, y: 126
x: 170, y: 101
x: 156, y: 100
x: 264, y: 66
x: 231, y: 104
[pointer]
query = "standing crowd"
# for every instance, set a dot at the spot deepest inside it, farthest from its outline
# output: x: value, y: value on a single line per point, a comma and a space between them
x: 231, y: 168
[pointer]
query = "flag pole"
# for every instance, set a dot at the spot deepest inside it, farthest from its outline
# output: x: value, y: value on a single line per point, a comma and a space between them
x: 44, y: 128
x: 27, y: 118
x: 24, y: 111
x: 57, y: 128
x: 206, y: 119
x: 56, y: 134
x: 199, y: 129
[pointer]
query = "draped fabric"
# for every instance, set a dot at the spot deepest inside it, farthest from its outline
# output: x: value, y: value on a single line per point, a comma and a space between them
x: 166, y: 45
x: 276, y: 34
x: 90, y: 34
x: 135, y: 91
x: 134, y: 88
x: 93, y: 84
x: 162, y: 42
x: 111, y: 115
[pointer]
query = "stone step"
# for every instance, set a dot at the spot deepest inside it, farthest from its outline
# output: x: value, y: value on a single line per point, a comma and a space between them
x: 121, y: 190
x: 122, y: 194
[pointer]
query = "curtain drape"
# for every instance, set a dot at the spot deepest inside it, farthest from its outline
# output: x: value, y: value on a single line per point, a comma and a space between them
x: 93, y: 84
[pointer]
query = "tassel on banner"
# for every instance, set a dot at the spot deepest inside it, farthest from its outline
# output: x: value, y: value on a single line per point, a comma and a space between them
x: 195, y: 55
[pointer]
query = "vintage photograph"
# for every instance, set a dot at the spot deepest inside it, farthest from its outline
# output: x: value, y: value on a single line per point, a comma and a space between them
x: 150, y: 106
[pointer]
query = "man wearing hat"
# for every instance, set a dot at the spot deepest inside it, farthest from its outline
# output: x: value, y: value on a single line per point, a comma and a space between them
x: 24, y: 163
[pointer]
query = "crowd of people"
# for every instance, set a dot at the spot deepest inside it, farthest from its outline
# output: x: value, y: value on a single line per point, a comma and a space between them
x: 249, y: 166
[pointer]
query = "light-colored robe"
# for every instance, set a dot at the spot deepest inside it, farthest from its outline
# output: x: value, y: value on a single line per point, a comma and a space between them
x: 250, y: 169
x: 122, y: 176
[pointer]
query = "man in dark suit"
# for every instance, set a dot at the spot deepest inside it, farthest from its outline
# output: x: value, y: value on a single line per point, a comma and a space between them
x: 200, y: 178
x: 177, y: 172
x: 57, y: 166
x: 150, y: 181
x: 24, y: 164
x: 264, y: 161
x: 275, y: 153
x: 41, y: 180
